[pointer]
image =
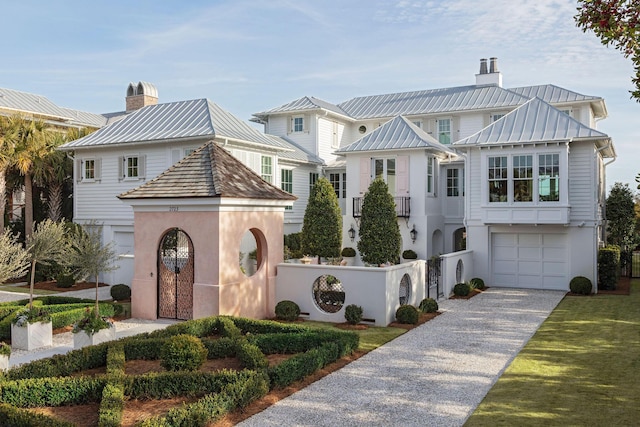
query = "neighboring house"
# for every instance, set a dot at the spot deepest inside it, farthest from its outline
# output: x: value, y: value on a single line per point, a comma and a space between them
x: 151, y: 137
x: 38, y: 107
x: 516, y: 175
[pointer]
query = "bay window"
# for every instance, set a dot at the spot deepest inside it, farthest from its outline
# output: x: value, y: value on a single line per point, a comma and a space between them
x: 498, y: 179
x: 523, y: 178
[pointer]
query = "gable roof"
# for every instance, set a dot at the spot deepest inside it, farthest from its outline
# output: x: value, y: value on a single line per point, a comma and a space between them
x: 553, y: 94
x: 533, y: 121
x: 398, y: 133
x: 306, y: 103
x: 40, y: 106
x: 174, y: 120
x: 210, y: 171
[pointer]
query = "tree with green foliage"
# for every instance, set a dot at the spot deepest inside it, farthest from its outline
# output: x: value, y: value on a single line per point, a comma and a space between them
x: 616, y: 23
x: 380, y: 239
x: 89, y: 257
x: 14, y: 260
x: 322, y: 226
x: 47, y: 244
x: 620, y: 213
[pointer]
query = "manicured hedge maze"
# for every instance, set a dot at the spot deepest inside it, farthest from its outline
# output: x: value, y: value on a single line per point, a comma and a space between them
x: 48, y: 382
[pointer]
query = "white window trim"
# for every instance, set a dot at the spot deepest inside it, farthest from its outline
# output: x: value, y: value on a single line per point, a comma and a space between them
x: 262, y: 164
x: 123, y: 170
x: 97, y: 163
x: 563, y: 179
x: 434, y: 172
x: 438, y: 120
x: 305, y: 125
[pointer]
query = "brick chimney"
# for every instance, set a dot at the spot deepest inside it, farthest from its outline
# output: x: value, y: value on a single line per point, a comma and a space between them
x: 493, y: 77
x: 140, y: 95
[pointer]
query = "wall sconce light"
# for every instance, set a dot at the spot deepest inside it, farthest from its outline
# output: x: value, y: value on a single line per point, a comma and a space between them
x: 413, y: 233
x: 352, y: 233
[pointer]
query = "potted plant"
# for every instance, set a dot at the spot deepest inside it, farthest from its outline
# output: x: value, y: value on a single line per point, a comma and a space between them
x: 348, y: 255
x: 31, y: 328
x: 409, y: 255
x: 5, y: 353
x: 92, y: 329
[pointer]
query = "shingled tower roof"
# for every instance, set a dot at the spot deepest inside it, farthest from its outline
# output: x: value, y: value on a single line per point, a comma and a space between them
x: 210, y: 171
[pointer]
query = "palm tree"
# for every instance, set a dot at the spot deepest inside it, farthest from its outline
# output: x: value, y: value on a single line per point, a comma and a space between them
x: 29, y: 139
x: 51, y: 172
x: 6, y: 158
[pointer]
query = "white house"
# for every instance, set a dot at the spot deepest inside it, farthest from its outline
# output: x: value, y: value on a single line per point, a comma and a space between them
x: 150, y: 137
x: 519, y: 172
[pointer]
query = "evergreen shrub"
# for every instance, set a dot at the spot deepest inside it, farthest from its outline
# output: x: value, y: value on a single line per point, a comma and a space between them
x: 287, y: 310
x: 407, y: 314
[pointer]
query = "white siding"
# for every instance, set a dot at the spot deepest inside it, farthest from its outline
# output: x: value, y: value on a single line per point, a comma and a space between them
x: 474, y: 184
x: 582, y: 181
x: 325, y: 139
x: 470, y: 124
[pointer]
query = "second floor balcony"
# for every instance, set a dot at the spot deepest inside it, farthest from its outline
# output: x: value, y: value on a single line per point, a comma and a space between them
x: 403, y: 206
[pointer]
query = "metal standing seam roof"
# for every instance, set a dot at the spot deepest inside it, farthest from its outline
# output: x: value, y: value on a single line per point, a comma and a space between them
x: 296, y: 153
x: 552, y: 94
x: 305, y: 103
x: 24, y: 102
x: 183, y: 119
x: 432, y: 101
x: 210, y: 171
x: 533, y: 121
x: 398, y: 133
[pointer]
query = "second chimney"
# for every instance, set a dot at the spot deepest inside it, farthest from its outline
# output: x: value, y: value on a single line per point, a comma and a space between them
x: 491, y: 78
x: 493, y: 65
x: 483, y: 66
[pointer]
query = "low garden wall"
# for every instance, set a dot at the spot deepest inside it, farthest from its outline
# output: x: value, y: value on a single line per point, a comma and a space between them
x: 323, y: 291
x: 456, y: 267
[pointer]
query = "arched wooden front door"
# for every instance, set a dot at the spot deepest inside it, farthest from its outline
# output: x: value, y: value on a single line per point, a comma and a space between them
x: 175, y: 276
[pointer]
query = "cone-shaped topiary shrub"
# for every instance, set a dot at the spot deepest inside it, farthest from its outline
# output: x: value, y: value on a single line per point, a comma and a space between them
x: 182, y: 352
x: 428, y: 305
x: 287, y: 310
x: 353, y: 314
x: 407, y: 314
x: 580, y: 285
x: 461, y: 289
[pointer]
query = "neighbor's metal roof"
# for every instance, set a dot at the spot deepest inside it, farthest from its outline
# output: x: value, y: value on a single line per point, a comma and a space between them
x: 183, y: 119
x: 431, y: 101
x: 29, y: 103
x: 305, y: 103
x: 210, y: 171
x: 533, y: 121
x: 397, y: 133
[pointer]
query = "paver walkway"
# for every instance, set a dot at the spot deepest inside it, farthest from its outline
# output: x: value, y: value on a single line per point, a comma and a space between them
x: 433, y: 375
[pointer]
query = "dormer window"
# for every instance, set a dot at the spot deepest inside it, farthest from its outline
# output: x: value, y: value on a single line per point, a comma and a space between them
x: 496, y: 116
x: 297, y: 124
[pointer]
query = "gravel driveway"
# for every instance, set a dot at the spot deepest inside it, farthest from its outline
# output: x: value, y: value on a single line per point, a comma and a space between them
x: 434, y: 375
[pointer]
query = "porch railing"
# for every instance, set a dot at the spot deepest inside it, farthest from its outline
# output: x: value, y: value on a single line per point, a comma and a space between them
x: 403, y: 206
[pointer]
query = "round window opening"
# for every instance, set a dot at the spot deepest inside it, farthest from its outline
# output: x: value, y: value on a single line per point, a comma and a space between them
x: 362, y: 129
x: 248, y: 259
x: 459, y: 271
x: 405, y: 290
x: 328, y: 293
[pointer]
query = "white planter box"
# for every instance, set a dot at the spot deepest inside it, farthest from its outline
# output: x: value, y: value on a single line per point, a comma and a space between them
x: 31, y: 335
x: 4, y: 363
x: 82, y: 339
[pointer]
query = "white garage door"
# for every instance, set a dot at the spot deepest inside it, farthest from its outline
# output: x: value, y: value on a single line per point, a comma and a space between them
x: 530, y: 260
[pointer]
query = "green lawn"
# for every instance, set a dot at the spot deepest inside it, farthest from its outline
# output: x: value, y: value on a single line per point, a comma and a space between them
x: 19, y: 290
x: 582, y: 368
x: 370, y: 338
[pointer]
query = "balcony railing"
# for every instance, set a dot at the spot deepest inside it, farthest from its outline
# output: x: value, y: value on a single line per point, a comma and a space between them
x: 403, y: 206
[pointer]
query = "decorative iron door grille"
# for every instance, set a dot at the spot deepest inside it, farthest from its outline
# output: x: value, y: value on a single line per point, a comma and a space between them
x: 433, y: 276
x: 175, y: 276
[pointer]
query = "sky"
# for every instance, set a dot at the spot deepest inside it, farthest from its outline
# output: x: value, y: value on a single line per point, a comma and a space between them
x: 249, y: 56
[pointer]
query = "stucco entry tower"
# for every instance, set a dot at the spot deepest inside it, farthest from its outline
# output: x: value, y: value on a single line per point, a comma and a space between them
x: 209, y: 199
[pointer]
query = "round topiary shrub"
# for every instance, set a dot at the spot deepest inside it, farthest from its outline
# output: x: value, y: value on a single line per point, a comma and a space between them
x: 580, y: 285
x: 65, y: 280
x: 461, y: 289
x: 428, y: 305
x: 182, y: 353
x: 120, y: 292
x: 407, y: 314
x: 409, y: 254
x: 477, y: 283
x: 353, y: 314
x: 348, y: 252
x: 287, y: 310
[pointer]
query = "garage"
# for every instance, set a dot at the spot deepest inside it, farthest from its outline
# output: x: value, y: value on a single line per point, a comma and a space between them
x: 530, y: 260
